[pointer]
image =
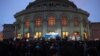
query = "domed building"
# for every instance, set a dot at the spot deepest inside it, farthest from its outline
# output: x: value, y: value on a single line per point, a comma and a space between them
x: 42, y: 18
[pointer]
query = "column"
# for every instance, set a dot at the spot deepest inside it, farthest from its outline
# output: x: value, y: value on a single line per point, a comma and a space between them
x: 71, y: 25
x: 88, y: 30
x: 16, y: 29
x: 32, y: 29
x: 81, y: 30
x: 58, y: 25
x: 44, y: 26
x: 22, y: 27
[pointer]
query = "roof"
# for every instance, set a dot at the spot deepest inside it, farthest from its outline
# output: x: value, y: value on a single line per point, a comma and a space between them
x: 44, y: 2
x: 95, y: 22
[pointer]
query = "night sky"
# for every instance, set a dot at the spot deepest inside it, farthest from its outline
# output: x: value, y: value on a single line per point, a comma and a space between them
x: 8, y: 8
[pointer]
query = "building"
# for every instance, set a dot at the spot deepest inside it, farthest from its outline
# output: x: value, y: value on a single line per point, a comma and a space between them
x: 95, y: 31
x: 1, y: 36
x: 8, y: 31
x: 61, y: 17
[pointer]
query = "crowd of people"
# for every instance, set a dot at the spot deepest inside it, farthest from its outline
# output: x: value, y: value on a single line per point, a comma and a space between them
x: 52, y: 47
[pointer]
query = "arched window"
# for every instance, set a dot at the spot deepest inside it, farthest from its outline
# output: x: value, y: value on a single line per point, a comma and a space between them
x: 38, y: 22
x: 85, y: 35
x: 27, y: 23
x: 64, y: 21
x: 51, y: 21
x: 38, y: 35
x: 19, y: 36
x: 65, y: 34
x: 76, y: 36
x: 76, y: 21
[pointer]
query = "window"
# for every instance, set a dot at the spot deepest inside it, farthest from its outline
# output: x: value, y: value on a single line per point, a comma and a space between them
x: 65, y: 34
x: 27, y: 23
x: 76, y: 36
x: 38, y: 34
x: 76, y: 21
x: 28, y: 35
x: 19, y: 36
x: 38, y: 22
x: 85, y: 35
x: 76, y: 33
x: 64, y: 21
x: 51, y: 21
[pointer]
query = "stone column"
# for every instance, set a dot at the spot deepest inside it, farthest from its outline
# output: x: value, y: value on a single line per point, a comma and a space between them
x: 22, y: 27
x: 81, y: 30
x: 32, y: 29
x: 88, y: 29
x: 58, y: 25
x: 71, y: 24
x: 44, y: 26
x: 16, y: 29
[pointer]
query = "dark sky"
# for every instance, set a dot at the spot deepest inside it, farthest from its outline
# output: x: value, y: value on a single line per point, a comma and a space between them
x: 9, y: 7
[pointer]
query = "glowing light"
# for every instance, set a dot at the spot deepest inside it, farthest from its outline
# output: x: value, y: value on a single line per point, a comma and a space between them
x: 85, y: 35
x: 73, y: 37
x: 19, y: 36
x: 35, y: 37
x: 38, y: 34
x: 51, y: 35
x: 28, y: 35
x: 75, y: 33
x: 64, y: 34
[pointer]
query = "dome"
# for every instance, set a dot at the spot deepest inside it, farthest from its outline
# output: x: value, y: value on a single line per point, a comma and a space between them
x: 41, y: 3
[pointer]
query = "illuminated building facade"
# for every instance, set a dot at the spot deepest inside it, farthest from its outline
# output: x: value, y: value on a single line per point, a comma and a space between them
x: 52, y: 16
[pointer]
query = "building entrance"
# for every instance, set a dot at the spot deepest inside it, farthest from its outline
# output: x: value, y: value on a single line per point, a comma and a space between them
x: 51, y: 35
x: 75, y: 36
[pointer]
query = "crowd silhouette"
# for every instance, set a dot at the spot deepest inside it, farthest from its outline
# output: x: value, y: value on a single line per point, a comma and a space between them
x: 52, y: 47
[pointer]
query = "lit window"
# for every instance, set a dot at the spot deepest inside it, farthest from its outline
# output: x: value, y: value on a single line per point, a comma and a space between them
x: 28, y: 35
x: 64, y: 21
x: 76, y: 21
x: 38, y: 22
x: 38, y: 34
x: 19, y: 36
x: 85, y: 35
x: 51, y: 21
x: 65, y: 34
x: 27, y: 23
x: 76, y: 36
x: 76, y: 33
